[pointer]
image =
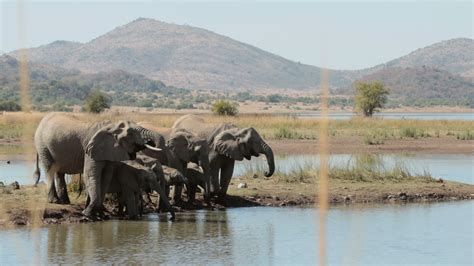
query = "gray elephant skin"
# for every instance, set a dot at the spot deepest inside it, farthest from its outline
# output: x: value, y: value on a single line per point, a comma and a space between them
x: 227, y: 144
x: 130, y: 179
x: 66, y: 145
x: 181, y: 148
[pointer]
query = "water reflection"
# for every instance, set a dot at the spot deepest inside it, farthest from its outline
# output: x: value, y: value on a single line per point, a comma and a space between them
x: 438, y: 233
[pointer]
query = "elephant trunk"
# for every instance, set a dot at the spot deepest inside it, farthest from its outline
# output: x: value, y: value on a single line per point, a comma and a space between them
x: 158, y: 141
x: 271, y: 161
x: 206, y: 170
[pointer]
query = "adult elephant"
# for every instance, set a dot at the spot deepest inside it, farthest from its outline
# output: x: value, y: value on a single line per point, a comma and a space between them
x: 66, y: 145
x: 181, y: 148
x: 227, y: 144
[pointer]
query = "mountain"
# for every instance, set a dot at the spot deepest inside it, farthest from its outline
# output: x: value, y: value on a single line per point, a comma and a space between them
x: 424, y: 85
x: 195, y: 58
x: 183, y: 56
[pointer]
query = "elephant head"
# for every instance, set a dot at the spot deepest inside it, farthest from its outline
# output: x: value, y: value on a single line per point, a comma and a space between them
x: 118, y: 142
x: 179, y: 148
x: 238, y: 144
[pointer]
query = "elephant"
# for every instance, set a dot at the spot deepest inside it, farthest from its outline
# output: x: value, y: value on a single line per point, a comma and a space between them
x: 130, y: 179
x: 66, y: 145
x: 195, y: 178
x: 227, y: 144
x: 181, y: 147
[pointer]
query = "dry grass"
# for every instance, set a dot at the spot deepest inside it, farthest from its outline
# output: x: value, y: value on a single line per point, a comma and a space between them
x: 12, y: 125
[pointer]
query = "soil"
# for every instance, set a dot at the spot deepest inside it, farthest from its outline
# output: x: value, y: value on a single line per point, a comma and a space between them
x: 27, y: 205
x: 355, y: 145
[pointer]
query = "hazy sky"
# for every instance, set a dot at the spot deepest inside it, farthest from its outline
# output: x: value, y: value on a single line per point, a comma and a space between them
x: 341, y: 35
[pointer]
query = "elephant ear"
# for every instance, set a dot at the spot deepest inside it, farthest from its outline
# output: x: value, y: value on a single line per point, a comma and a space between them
x: 227, y: 144
x: 104, y: 145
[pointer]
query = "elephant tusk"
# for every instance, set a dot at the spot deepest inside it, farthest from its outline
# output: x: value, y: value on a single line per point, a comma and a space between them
x: 152, y: 148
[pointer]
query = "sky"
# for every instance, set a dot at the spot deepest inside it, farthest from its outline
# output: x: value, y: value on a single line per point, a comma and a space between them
x: 338, y: 35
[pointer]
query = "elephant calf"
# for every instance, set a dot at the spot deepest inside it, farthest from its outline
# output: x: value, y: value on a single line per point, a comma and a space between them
x: 130, y: 179
x: 196, y: 178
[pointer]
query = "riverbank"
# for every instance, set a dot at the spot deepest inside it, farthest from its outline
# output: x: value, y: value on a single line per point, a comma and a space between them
x: 27, y: 205
x: 18, y: 150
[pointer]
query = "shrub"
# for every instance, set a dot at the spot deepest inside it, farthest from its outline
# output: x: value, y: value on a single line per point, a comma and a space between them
x: 286, y: 133
x: 9, y: 105
x: 223, y: 107
x: 96, y: 102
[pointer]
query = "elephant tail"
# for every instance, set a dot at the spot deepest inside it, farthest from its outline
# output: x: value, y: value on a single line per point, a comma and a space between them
x: 37, y: 173
x: 81, y: 187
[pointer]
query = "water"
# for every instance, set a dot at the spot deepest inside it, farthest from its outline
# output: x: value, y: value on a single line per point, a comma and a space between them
x: 396, y: 115
x: 447, y: 166
x: 429, y: 234
x: 458, y: 167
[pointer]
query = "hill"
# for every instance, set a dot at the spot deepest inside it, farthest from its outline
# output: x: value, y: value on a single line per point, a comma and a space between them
x: 423, y: 86
x: 51, y: 85
x: 183, y: 56
x: 455, y: 56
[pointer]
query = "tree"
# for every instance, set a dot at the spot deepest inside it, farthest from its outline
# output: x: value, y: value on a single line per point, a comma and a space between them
x: 369, y: 97
x: 96, y: 102
x: 223, y: 107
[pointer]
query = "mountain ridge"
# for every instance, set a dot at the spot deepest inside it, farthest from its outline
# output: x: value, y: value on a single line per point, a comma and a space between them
x: 195, y: 58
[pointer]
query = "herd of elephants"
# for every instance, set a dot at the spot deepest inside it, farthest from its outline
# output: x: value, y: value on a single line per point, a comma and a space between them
x: 130, y: 159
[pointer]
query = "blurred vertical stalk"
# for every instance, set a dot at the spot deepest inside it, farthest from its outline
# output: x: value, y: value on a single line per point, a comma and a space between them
x: 323, y: 170
x: 24, y: 78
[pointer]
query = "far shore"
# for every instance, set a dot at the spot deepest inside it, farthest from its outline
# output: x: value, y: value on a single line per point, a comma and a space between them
x: 18, y: 150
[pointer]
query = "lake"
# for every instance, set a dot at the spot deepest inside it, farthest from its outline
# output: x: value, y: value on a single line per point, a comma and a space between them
x: 436, y: 233
x: 447, y: 166
x: 395, y: 115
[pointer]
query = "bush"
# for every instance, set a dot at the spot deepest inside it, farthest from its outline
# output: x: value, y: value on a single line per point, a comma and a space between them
x: 96, y: 102
x: 223, y: 107
x: 10, y: 106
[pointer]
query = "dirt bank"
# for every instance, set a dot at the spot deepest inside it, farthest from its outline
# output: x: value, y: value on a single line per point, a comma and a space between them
x: 356, y: 145
x: 27, y: 205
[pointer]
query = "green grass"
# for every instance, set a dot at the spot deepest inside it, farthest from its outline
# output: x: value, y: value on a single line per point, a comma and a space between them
x: 363, y: 168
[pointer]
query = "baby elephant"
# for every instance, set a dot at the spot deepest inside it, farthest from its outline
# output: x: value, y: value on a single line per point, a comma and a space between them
x: 130, y: 180
x: 196, y: 178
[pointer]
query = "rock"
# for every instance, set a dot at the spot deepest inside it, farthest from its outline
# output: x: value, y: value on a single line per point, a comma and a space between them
x: 390, y: 196
x: 276, y: 198
x: 15, y: 185
x: 345, y: 188
x: 255, y: 176
x: 291, y: 202
x: 347, y: 198
x: 8, y: 162
x: 242, y: 185
x: 282, y: 204
x: 440, y: 180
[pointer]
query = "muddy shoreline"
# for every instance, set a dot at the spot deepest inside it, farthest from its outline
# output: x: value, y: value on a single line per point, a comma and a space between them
x: 27, y: 206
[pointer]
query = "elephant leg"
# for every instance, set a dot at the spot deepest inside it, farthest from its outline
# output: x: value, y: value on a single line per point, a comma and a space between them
x: 214, y: 186
x: 52, y: 194
x: 62, y: 189
x: 178, y: 190
x: 226, y: 175
x: 191, y: 188
x: 132, y: 210
x: 106, y: 178
x: 92, y: 175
